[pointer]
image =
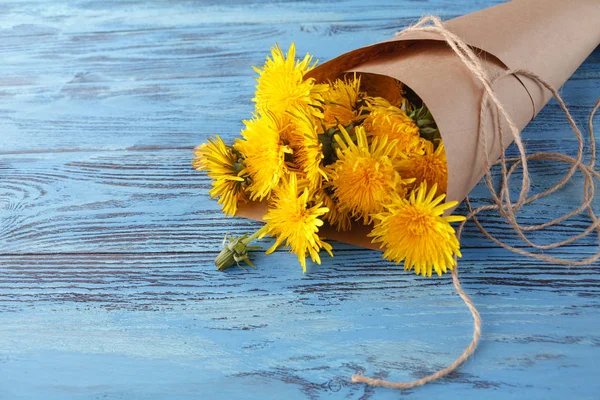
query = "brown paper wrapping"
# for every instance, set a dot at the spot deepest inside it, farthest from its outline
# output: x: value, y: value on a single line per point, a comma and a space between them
x: 550, y: 38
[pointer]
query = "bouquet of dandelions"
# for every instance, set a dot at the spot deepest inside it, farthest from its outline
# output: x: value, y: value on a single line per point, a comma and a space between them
x: 357, y: 150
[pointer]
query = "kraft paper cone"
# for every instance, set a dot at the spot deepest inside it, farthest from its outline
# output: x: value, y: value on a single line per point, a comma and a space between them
x: 550, y: 38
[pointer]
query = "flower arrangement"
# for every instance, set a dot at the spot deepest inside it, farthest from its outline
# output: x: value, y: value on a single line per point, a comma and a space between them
x: 329, y: 147
x: 360, y: 149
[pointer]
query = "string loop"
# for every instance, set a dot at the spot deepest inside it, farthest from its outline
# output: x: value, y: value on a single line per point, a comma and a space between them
x: 502, y: 202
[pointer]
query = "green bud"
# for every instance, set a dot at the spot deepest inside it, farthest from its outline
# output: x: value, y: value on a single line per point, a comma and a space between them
x: 234, y: 251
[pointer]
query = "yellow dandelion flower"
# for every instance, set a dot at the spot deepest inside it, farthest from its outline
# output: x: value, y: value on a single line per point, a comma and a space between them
x: 383, y: 86
x: 341, y: 102
x: 292, y: 219
x: 281, y: 84
x: 307, y: 148
x: 225, y: 169
x: 264, y: 154
x: 336, y: 217
x: 415, y: 231
x: 431, y: 167
x: 363, y: 178
x: 387, y: 120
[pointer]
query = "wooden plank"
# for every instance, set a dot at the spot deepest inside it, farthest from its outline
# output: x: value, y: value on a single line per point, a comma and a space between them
x: 107, y: 236
x: 162, y: 79
x: 141, y: 326
x: 154, y: 201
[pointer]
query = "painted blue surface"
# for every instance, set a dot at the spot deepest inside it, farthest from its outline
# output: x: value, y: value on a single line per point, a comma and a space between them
x: 107, y: 236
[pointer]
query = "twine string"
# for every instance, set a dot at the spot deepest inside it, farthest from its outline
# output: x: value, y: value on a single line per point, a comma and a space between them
x: 502, y: 202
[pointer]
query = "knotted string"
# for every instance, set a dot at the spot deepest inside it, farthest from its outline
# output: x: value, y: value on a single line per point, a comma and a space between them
x: 501, y: 199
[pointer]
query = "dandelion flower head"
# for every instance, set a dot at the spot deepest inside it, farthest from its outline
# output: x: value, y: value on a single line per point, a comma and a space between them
x: 363, y: 178
x: 413, y: 230
x: 387, y: 120
x: 225, y: 169
x: 291, y: 218
x: 341, y: 102
x: 431, y: 167
x: 264, y: 154
x: 304, y: 140
x: 281, y: 84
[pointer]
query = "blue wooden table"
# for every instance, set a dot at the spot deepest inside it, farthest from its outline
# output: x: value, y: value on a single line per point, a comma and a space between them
x: 107, y: 236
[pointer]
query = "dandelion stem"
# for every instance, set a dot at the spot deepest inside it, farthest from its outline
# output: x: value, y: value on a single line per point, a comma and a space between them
x: 253, y: 236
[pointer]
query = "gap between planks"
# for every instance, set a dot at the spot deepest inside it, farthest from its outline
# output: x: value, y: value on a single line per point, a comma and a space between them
x: 203, y: 252
x: 97, y: 150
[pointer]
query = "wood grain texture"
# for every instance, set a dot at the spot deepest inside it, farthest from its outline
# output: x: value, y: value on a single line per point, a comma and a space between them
x: 152, y: 200
x: 107, y: 236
